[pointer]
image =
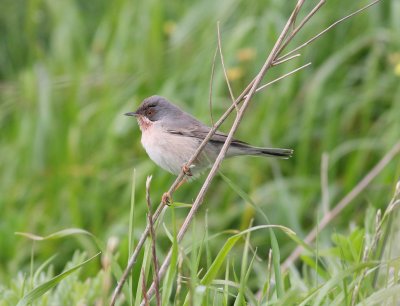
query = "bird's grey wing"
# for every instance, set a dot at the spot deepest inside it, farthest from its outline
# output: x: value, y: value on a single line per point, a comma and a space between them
x: 190, y: 127
x: 196, y: 129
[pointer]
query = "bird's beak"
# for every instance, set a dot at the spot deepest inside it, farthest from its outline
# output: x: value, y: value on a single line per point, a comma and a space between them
x: 131, y: 114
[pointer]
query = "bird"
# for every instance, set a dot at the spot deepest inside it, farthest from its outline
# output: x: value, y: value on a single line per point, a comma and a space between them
x: 170, y: 137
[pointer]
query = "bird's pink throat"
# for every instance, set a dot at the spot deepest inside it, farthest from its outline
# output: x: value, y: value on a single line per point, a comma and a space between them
x: 144, y: 123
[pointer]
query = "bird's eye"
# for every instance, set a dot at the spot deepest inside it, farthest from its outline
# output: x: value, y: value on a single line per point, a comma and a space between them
x: 149, y: 112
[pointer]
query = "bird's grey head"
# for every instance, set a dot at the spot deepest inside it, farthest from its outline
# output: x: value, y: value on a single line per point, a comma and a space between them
x: 156, y: 108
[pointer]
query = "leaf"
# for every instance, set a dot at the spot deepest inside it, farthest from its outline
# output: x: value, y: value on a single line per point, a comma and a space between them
x: 43, y: 266
x: 276, y: 263
x: 217, y: 263
x: 64, y: 233
x: 56, y: 235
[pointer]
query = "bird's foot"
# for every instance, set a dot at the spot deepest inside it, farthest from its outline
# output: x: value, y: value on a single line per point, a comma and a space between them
x: 166, y: 199
x: 186, y: 170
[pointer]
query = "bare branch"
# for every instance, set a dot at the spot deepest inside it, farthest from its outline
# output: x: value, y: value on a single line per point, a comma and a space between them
x: 280, y: 78
x: 327, y: 29
x: 153, y: 242
x: 224, y: 69
x: 145, y: 299
x: 302, y: 23
x: 276, y: 63
x: 136, y: 252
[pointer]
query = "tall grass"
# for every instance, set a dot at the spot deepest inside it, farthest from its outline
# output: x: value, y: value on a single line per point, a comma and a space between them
x: 70, y: 69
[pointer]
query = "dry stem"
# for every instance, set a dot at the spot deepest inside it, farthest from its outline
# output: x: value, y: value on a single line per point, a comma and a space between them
x: 327, y: 29
x: 223, y: 66
x: 153, y: 242
x: 145, y: 300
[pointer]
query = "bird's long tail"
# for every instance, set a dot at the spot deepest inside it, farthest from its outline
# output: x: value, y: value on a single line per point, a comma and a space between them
x: 275, y: 152
x: 245, y: 149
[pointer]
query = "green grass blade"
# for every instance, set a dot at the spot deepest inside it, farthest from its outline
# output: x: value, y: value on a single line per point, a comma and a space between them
x: 240, y: 297
x: 62, y: 234
x: 42, y: 267
x: 43, y: 288
x: 229, y: 244
x: 276, y: 263
x: 218, y: 261
x: 56, y: 235
x: 226, y: 287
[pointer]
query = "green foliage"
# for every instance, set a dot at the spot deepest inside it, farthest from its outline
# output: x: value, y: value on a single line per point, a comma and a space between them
x: 70, y: 69
x: 70, y: 289
x: 40, y: 290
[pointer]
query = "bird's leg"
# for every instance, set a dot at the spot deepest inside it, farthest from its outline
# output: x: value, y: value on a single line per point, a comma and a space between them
x: 167, y: 198
x: 186, y: 170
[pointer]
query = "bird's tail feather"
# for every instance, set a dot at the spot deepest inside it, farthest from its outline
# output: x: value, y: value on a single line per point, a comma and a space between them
x: 275, y: 152
x: 245, y: 149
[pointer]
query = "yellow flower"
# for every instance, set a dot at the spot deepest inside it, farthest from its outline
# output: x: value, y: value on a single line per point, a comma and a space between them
x: 245, y: 54
x: 234, y: 73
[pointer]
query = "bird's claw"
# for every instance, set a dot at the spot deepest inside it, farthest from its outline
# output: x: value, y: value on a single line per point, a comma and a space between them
x: 186, y: 170
x: 166, y: 199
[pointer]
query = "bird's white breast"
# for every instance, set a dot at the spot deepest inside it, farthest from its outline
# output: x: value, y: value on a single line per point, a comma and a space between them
x: 169, y: 151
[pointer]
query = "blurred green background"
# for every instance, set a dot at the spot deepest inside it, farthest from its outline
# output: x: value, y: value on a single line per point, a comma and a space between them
x: 70, y: 69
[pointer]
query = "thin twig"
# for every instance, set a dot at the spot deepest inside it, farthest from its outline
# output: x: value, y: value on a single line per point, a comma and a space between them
x: 153, y: 242
x: 280, y: 78
x: 276, y: 63
x: 145, y: 299
x: 221, y: 155
x: 142, y: 239
x: 343, y: 203
x: 136, y: 252
x: 301, y: 25
x: 223, y: 67
x: 327, y: 29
